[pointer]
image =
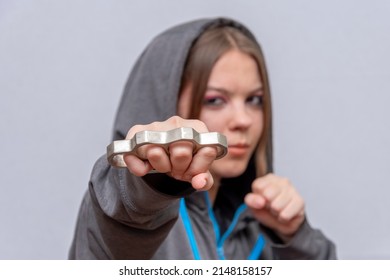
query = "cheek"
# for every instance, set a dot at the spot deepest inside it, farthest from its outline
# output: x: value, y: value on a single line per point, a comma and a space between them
x: 257, y: 132
x: 213, y: 121
x: 259, y: 125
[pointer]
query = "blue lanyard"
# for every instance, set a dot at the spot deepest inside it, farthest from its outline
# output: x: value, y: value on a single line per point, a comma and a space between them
x: 188, y: 227
x: 256, y: 250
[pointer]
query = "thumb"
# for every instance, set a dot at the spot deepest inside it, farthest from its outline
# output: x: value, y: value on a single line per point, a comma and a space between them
x: 255, y: 201
x: 202, y: 181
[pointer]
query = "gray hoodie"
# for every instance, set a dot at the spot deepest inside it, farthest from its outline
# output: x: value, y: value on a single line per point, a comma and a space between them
x: 123, y: 216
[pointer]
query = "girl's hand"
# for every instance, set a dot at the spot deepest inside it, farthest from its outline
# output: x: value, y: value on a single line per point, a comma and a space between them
x: 179, y: 163
x: 276, y: 204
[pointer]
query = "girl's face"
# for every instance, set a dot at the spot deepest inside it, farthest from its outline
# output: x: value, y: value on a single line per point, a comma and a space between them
x: 232, y: 105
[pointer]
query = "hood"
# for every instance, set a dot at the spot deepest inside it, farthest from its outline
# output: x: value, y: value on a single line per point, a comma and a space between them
x: 151, y: 91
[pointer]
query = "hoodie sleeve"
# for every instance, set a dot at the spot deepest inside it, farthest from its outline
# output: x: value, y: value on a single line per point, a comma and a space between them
x: 122, y: 216
x: 307, y: 244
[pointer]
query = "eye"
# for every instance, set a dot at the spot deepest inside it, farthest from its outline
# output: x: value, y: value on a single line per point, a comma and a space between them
x: 214, y: 101
x: 255, y: 100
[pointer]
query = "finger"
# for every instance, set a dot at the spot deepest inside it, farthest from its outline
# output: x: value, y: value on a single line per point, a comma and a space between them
x: 281, y: 200
x: 262, y: 182
x: 266, y: 218
x: 158, y: 158
x: 180, y: 154
x: 281, y: 229
x: 201, y: 162
x: 202, y: 181
x: 255, y: 201
x: 266, y: 186
x: 137, y: 166
x: 295, y: 208
x: 271, y: 187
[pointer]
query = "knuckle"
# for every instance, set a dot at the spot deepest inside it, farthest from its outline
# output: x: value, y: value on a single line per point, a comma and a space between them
x: 268, y: 193
x: 258, y: 187
x: 276, y: 208
x: 201, y: 125
x: 285, y: 181
x: 285, y: 216
x: 133, y: 130
x: 175, y: 121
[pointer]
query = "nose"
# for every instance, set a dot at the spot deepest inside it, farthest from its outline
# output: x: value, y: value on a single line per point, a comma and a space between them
x: 241, y: 117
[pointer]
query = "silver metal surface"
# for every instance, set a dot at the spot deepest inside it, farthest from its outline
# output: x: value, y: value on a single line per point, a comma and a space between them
x: 117, y: 149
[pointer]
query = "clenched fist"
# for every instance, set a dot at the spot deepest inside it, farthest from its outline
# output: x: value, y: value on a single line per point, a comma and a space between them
x: 180, y: 162
x: 276, y: 204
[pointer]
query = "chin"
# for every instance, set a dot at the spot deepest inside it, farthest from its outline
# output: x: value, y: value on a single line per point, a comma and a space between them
x: 228, y: 168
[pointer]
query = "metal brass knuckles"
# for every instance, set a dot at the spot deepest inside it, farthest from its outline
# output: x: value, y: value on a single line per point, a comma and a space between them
x: 117, y: 149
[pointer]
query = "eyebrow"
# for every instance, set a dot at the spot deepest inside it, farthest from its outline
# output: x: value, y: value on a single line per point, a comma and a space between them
x: 227, y: 92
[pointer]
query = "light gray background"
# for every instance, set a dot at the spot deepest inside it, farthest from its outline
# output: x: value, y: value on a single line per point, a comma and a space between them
x: 63, y: 65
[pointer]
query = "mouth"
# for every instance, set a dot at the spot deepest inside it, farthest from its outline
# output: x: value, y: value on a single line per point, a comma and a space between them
x: 238, y: 150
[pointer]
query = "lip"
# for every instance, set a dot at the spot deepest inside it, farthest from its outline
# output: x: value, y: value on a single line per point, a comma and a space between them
x: 238, y: 150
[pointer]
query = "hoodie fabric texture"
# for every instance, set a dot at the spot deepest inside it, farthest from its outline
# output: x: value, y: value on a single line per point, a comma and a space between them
x: 123, y: 216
